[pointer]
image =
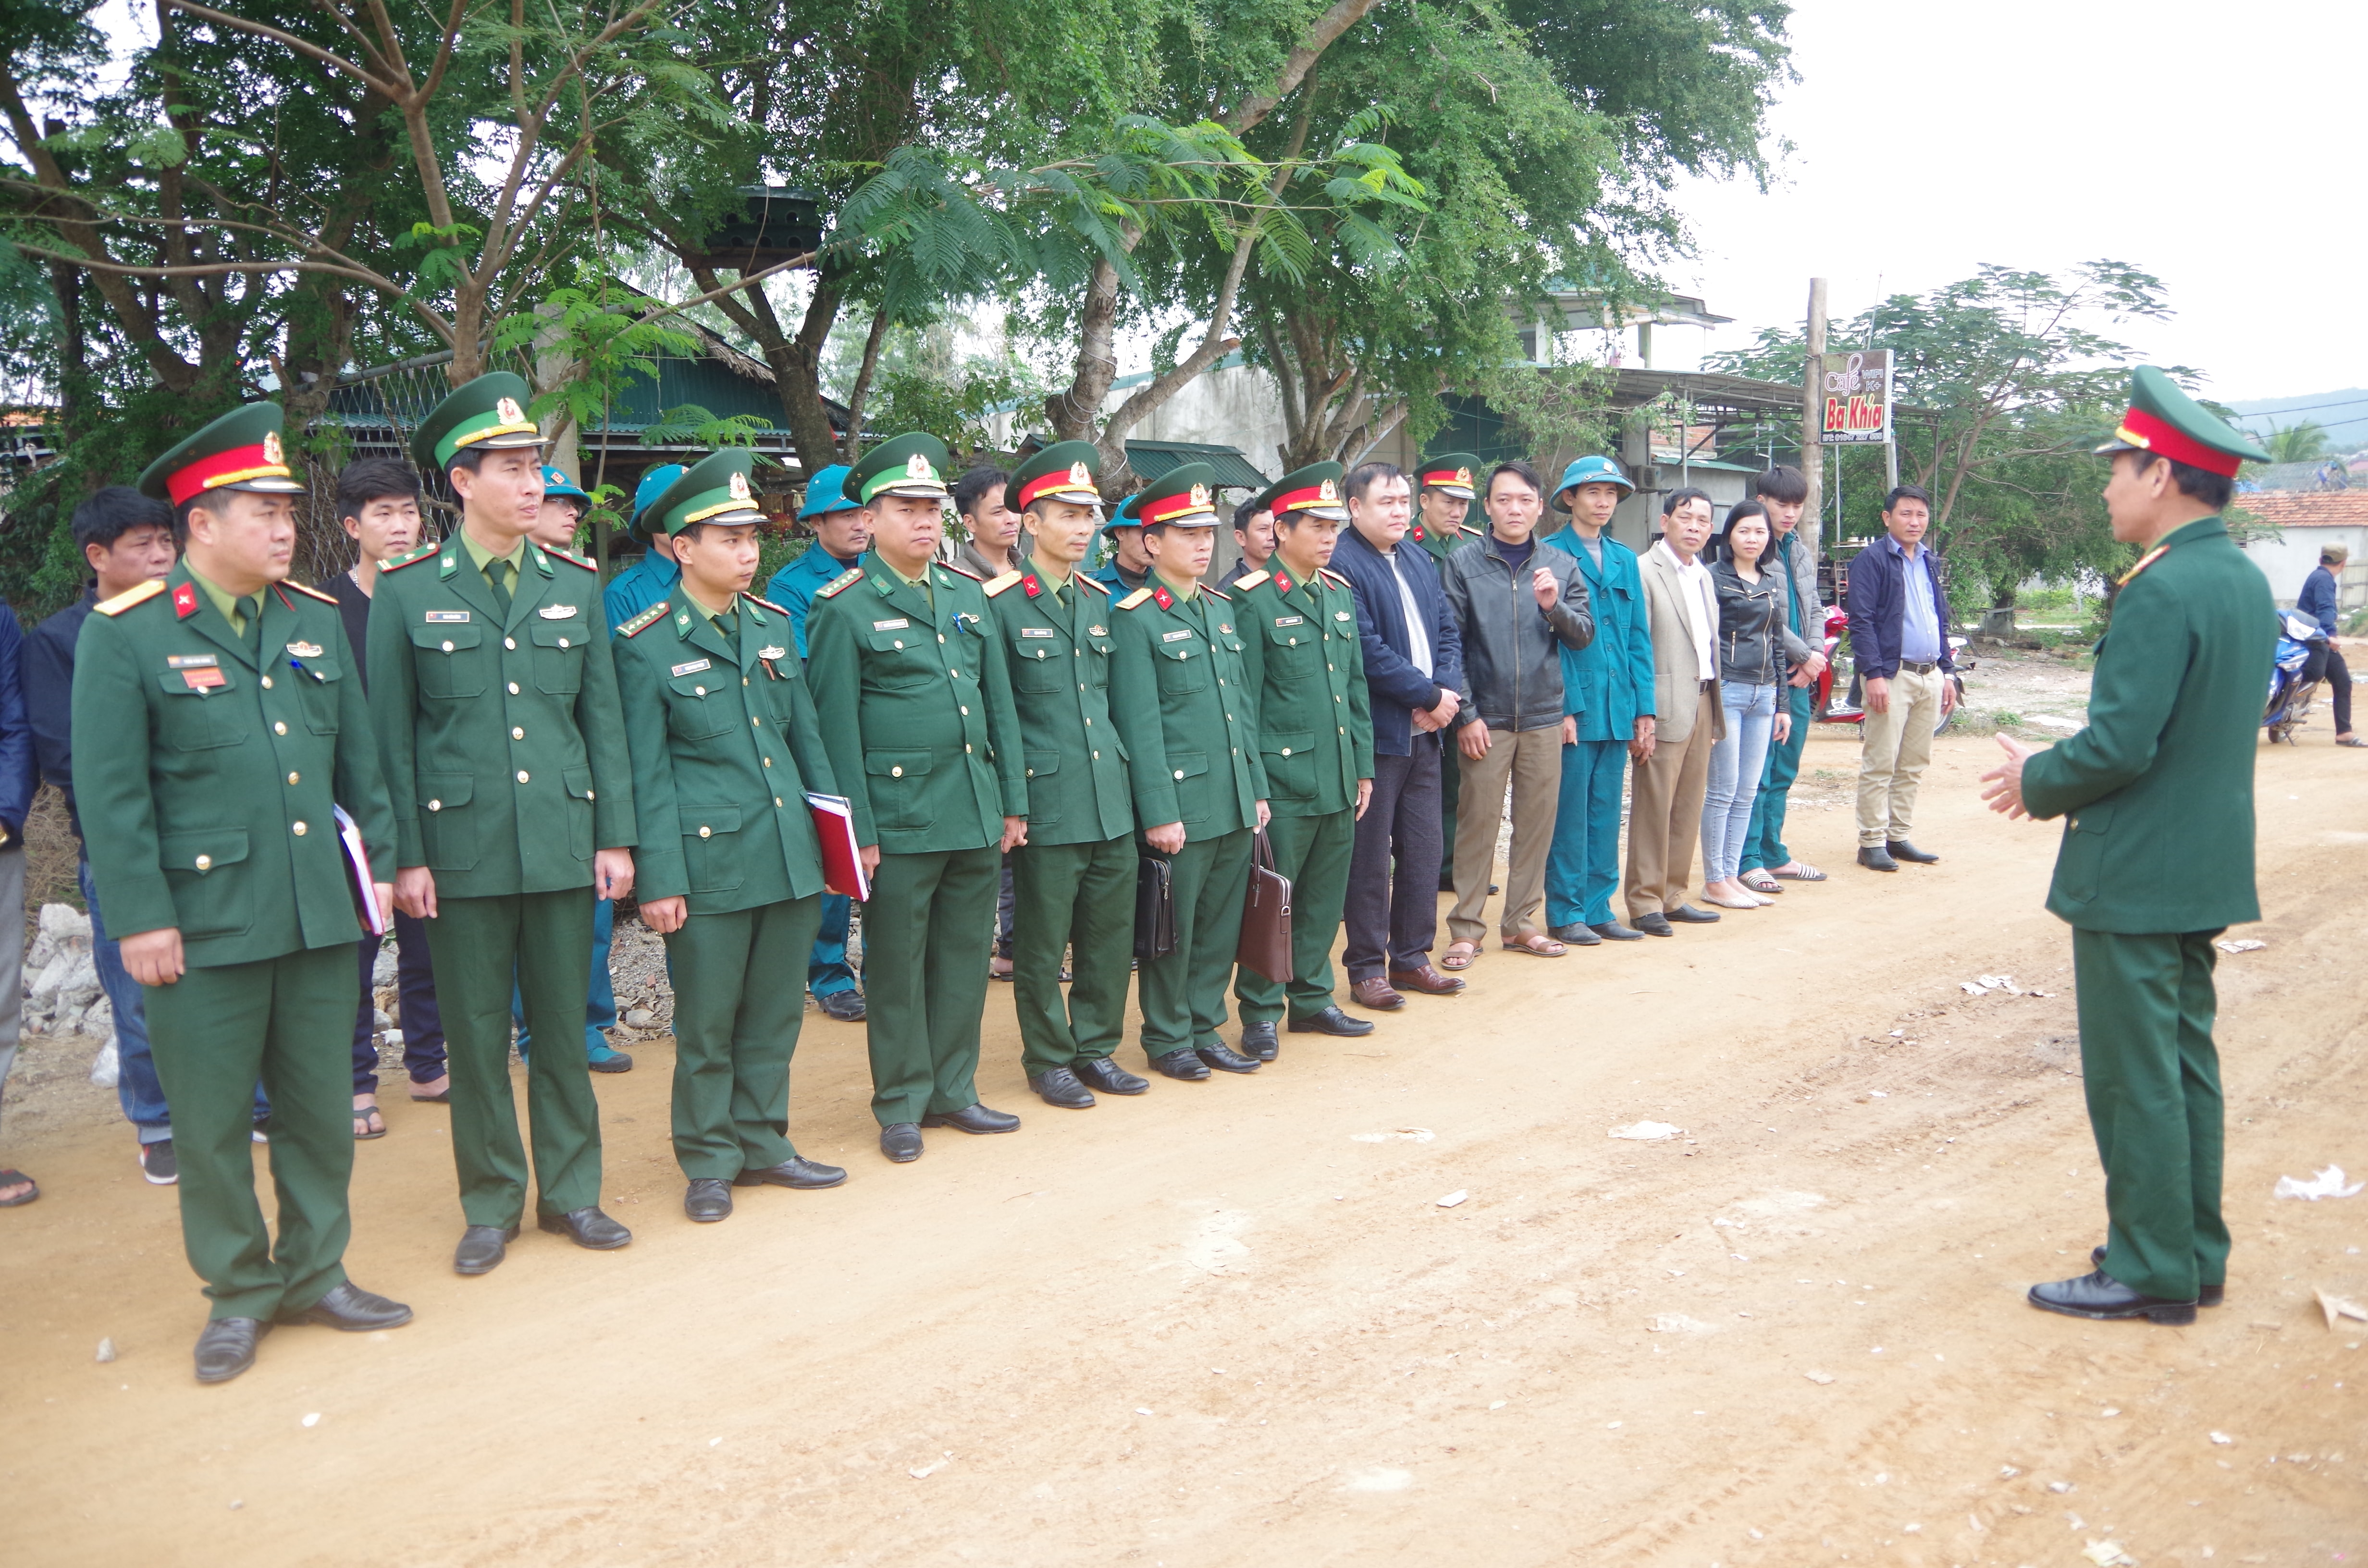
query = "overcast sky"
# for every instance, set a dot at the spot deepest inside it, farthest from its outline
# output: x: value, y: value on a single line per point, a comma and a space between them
x: 2217, y: 146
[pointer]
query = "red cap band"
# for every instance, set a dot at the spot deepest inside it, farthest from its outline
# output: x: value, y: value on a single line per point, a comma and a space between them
x: 1046, y: 483
x: 2167, y: 440
x: 1174, y: 507
x: 1444, y: 476
x: 1300, y: 500
x: 224, y: 467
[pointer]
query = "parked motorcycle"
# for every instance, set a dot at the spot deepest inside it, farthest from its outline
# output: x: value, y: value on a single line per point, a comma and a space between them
x: 1851, y: 710
x: 2294, y: 676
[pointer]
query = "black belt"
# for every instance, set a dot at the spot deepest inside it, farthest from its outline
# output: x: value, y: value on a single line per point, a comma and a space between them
x: 1708, y: 683
x: 1920, y: 666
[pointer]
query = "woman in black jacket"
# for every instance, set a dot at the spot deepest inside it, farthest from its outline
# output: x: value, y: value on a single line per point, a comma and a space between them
x: 1756, y: 653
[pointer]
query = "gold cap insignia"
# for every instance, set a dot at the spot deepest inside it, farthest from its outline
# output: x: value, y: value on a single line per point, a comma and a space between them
x: 509, y: 412
x: 1329, y: 492
x: 738, y: 485
x: 1200, y: 495
x: 1079, y: 474
x: 1463, y: 476
x: 271, y: 449
x: 917, y: 467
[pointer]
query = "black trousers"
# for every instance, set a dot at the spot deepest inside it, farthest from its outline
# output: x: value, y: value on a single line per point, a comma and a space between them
x: 2326, y: 663
x: 1392, y: 910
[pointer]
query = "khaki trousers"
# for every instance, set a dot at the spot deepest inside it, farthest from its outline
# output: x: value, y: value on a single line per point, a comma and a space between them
x: 1664, y: 816
x: 1897, y: 744
x: 1531, y: 761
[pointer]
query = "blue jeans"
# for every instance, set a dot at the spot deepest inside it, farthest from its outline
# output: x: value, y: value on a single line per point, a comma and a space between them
x: 1583, y: 864
x: 600, y: 1001
x: 1736, y: 763
x: 827, y: 970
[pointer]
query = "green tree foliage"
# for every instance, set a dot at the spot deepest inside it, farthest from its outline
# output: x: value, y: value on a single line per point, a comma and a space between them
x: 2302, y: 442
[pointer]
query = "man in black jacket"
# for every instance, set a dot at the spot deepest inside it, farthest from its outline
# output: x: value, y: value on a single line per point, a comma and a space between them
x: 1413, y: 666
x: 1899, y: 634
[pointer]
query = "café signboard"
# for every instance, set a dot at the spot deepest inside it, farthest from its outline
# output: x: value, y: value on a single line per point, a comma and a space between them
x: 1854, y: 390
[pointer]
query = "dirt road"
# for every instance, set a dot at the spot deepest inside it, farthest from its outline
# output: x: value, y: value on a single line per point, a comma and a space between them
x: 1230, y: 1322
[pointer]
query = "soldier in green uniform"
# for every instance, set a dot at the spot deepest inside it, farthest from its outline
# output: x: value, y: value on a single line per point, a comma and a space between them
x: 1074, y: 881
x: 1300, y: 654
x: 725, y: 748
x: 1443, y: 496
x: 1188, y: 717
x: 496, y: 707
x: 220, y: 743
x: 917, y: 715
x: 2156, y: 795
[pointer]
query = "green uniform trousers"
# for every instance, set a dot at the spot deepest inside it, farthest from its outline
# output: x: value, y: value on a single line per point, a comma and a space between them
x: 545, y: 939
x: 739, y: 998
x: 1183, y: 995
x: 1314, y: 853
x: 2153, y: 1081
x: 928, y: 933
x: 1763, y: 841
x: 1080, y: 896
x: 216, y: 1030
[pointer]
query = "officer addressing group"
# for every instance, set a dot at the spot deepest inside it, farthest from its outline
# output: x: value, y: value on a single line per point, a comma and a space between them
x: 1315, y: 739
x: 2157, y: 794
x: 494, y: 703
x: 1188, y: 721
x: 1074, y: 880
x: 725, y: 748
x: 219, y: 728
x: 915, y: 705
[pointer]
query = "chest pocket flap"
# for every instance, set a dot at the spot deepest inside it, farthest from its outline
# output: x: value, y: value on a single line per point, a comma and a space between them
x: 448, y: 639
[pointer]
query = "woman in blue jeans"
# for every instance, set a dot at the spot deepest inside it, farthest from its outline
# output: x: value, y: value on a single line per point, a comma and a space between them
x: 1756, y: 651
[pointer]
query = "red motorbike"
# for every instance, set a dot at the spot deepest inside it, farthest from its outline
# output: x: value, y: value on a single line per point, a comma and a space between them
x: 1851, y: 708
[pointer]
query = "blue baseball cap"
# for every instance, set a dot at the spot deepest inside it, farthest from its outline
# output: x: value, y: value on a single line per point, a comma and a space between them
x: 654, y: 484
x: 1590, y: 470
x: 557, y: 484
x: 827, y: 493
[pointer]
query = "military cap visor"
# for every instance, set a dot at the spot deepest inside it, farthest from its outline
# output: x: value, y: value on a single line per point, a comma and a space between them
x: 1062, y: 471
x: 2166, y: 422
x: 241, y: 451
x: 1450, y: 472
x: 912, y: 465
x: 487, y: 415
x: 715, y: 489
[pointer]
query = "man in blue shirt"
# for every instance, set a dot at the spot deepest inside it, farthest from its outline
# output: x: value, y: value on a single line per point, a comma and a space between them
x: 652, y: 577
x: 2318, y: 601
x: 1122, y: 535
x: 1900, y: 619
x: 839, y: 541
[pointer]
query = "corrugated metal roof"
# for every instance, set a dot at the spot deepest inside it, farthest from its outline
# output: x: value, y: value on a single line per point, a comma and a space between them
x: 1152, y: 459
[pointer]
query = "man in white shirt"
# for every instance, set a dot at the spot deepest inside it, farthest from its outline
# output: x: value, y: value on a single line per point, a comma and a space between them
x: 1673, y: 761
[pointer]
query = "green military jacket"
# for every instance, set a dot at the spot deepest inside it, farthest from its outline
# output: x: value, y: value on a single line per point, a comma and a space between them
x: 1307, y: 670
x: 207, y: 774
x: 724, y: 747
x: 1059, y: 654
x: 1439, y: 543
x: 503, y: 748
x: 915, y: 706
x: 2158, y: 792
x: 1185, y: 708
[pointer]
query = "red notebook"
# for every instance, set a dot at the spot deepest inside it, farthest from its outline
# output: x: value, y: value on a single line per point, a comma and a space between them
x: 842, y: 860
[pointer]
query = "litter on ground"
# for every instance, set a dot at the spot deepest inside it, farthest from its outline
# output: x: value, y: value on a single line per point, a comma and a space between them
x: 2241, y: 945
x: 1647, y: 1132
x: 2327, y: 1183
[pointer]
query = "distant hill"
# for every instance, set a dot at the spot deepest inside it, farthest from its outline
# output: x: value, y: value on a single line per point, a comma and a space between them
x: 2345, y: 422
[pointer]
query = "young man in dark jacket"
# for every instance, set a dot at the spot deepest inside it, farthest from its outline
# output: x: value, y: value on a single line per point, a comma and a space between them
x: 2318, y: 602
x: 1899, y: 631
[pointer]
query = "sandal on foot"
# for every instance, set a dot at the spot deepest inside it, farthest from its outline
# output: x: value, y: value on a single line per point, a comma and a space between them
x: 18, y: 1178
x: 364, y: 1117
x: 1804, y: 874
x: 1758, y: 881
x: 441, y: 1097
x: 1537, y: 947
x: 2350, y: 741
x: 1459, y: 955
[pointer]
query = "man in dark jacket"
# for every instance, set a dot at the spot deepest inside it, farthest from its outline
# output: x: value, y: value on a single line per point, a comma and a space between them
x: 1414, y: 667
x: 2318, y: 602
x: 1899, y: 633
x: 1518, y: 604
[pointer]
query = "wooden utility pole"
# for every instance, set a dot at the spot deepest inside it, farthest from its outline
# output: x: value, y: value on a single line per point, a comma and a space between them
x: 1813, y: 424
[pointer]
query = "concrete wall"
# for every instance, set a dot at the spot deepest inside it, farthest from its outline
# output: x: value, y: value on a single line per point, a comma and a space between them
x: 2293, y: 555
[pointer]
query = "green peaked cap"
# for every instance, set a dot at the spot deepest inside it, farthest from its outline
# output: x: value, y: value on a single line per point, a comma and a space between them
x: 909, y: 465
x: 2165, y: 421
x: 1314, y: 491
x: 1062, y: 471
x: 715, y: 489
x: 239, y: 452
x: 1183, y: 497
x: 489, y: 414
x: 1454, y: 472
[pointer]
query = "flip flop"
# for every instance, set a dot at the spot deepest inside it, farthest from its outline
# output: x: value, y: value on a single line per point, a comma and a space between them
x: 363, y: 1113
x: 14, y: 1178
x: 2350, y: 741
x: 1452, y: 959
x: 1537, y: 947
x: 1806, y: 874
x: 1758, y: 881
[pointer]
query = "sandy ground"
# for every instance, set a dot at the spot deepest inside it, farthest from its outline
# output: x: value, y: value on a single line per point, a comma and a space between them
x: 1231, y: 1322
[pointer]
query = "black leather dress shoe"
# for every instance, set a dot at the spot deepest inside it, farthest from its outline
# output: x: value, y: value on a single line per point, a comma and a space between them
x: 2100, y: 1295
x: 797, y: 1171
x: 1903, y: 851
x: 1060, y: 1088
x: 1575, y: 935
x: 1185, y: 1065
x: 481, y: 1248
x: 709, y: 1200
x: 1875, y: 857
x: 2209, y: 1296
x: 846, y: 1007
x: 586, y: 1228
x: 1332, y: 1020
x: 1656, y: 924
x: 901, y: 1141
x: 1226, y: 1059
x: 1612, y: 931
x: 1101, y: 1073
x: 973, y: 1118
x: 1687, y: 914
x: 349, y: 1307
x: 226, y: 1347
x: 1258, y: 1041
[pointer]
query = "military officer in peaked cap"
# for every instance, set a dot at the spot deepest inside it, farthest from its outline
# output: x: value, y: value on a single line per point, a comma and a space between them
x: 1305, y: 666
x: 1074, y: 880
x: 917, y: 715
x: 1444, y: 491
x: 220, y: 745
x: 724, y: 749
x: 2157, y: 794
x: 494, y: 703
x: 1182, y: 701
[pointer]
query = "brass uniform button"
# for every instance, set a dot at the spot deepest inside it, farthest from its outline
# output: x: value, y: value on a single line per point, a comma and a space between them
x: 205, y: 862
x: 266, y: 683
x: 521, y: 775
x: 435, y: 805
x: 510, y: 642
x: 293, y: 778
x: 518, y: 732
x: 705, y: 832
x: 514, y: 688
x: 297, y: 828
x: 278, y: 729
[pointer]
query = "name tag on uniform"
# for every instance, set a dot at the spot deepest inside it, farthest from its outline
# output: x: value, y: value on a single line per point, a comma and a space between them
x: 205, y: 679
x: 1291, y: 620
x: 693, y: 667
x: 1173, y: 636
x: 303, y: 650
x: 190, y: 660
x: 557, y: 612
x: 897, y: 625
x: 447, y: 617
x: 1035, y: 631
x: 771, y: 653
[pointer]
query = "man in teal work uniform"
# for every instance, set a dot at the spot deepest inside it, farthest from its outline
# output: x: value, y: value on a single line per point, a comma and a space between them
x: 651, y: 578
x: 1073, y: 882
x: 917, y: 715
x: 494, y: 703
x: 1181, y: 698
x: 221, y: 742
x: 839, y: 541
x: 724, y: 749
x: 2156, y: 795
x: 1315, y: 738
x: 1127, y: 567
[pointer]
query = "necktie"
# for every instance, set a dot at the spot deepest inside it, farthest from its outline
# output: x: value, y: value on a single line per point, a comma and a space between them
x: 728, y: 625
x: 252, y: 613
x: 497, y: 577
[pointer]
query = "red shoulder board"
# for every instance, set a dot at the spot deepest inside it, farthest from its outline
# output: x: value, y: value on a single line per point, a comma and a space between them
x: 570, y: 557
x: 768, y: 604
x: 1159, y: 597
x: 1332, y: 577
x: 184, y: 600
x: 1221, y: 598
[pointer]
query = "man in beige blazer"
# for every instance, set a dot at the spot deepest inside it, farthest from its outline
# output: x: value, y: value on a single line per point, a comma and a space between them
x: 1672, y: 750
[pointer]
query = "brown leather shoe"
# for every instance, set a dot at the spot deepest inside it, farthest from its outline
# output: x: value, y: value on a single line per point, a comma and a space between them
x: 1427, y: 980
x: 1377, y: 994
